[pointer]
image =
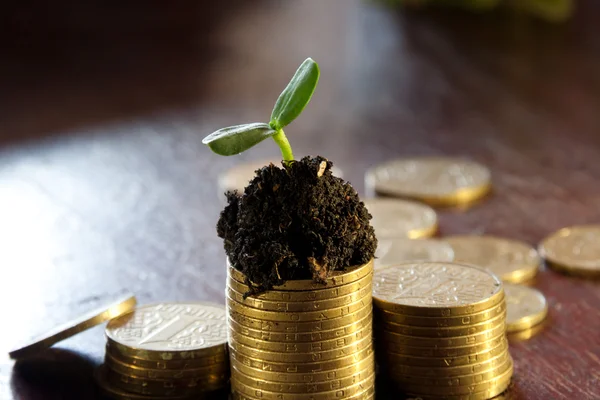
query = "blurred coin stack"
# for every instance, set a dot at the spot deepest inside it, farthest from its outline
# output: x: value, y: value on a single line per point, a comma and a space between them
x: 440, y: 330
x: 174, y: 351
x: 302, y: 340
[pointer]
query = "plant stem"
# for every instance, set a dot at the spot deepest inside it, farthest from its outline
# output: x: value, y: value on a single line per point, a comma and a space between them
x: 284, y: 145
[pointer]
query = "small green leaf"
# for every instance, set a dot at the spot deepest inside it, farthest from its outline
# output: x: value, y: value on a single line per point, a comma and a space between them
x: 296, y: 95
x: 235, y: 139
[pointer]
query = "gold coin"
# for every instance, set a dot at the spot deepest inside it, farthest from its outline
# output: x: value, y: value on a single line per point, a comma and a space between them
x: 170, y: 331
x: 175, y: 364
x: 511, y: 260
x: 310, y: 377
x: 527, y: 334
x: 118, y: 394
x: 296, y: 337
x: 393, y: 218
x: 364, y: 387
x: 416, y: 341
x: 446, y: 352
x: 366, y: 342
x: 440, y: 322
x: 305, y: 297
x: 166, y: 387
x: 443, y: 362
x: 304, y: 306
x: 297, y: 327
x: 526, y: 307
x: 401, y: 250
x: 151, y: 373
x: 258, y: 382
x: 336, y: 278
x: 96, y: 317
x: 574, y: 250
x: 306, y: 316
x: 432, y: 289
x: 498, y: 381
x: 303, y: 368
x: 438, y: 181
x: 499, y: 388
x: 429, y: 332
x: 302, y: 347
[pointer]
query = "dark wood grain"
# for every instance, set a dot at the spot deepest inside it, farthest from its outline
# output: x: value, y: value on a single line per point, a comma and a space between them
x: 105, y: 185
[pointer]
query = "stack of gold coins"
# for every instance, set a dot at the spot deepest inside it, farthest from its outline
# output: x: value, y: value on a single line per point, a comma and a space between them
x: 440, y: 330
x: 166, y: 351
x: 302, y: 340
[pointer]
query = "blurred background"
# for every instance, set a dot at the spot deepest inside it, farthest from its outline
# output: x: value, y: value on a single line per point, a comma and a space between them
x: 105, y: 185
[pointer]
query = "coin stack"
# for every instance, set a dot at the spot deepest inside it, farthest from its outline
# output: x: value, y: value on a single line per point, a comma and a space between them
x: 166, y: 351
x: 302, y: 340
x: 440, y: 330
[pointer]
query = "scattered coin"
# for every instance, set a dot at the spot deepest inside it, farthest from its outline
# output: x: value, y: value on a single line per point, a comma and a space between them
x: 526, y: 307
x: 400, y: 250
x: 438, y: 181
x: 394, y: 218
x: 511, y: 260
x: 574, y: 250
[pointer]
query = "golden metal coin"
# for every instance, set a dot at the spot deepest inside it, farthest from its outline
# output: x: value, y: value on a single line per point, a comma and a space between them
x: 526, y: 307
x: 96, y: 317
x: 574, y: 250
x: 319, y: 376
x: 432, y: 289
x: 441, y: 322
x: 511, y: 260
x: 304, y: 297
x: 364, y: 387
x: 527, y: 334
x: 456, y: 341
x: 302, y: 347
x: 304, y: 306
x: 438, y: 181
x: 297, y: 327
x: 175, y: 364
x: 446, y: 352
x: 299, y: 337
x: 393, y: 218
x: 451, y: 332
x: 401, y: 250
x: 150, y: 373
x: 366, y: 342
x: 499, y: 388
x: 170, y: 331
x: 336, y: 278
x: 306, y: 316
x: 301, y: 388
x: 443, y: 362
x: 303, y: 368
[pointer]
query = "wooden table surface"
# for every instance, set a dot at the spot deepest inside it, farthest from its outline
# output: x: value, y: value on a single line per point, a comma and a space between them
x: 105, y: 185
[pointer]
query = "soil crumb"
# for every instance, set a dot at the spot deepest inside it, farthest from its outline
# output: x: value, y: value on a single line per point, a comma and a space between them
x: 295, y: 222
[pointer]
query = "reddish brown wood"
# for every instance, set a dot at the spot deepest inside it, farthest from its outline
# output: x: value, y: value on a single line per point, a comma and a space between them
x: 105, y: 185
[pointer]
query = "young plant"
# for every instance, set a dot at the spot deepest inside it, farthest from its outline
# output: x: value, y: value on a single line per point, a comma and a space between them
x: 294, y: 98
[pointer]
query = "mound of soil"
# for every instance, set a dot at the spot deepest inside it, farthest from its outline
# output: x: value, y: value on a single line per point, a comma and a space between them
x: 295, y: 222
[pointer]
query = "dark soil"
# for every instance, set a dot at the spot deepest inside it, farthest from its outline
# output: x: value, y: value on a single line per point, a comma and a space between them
x: 295, y: 222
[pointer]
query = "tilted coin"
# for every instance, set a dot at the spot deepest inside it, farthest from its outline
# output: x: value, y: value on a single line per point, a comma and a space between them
x: 511, y: 260
x: 174, y: 364
x: 299, y: 337
x: 170, y: 331
x: 441, y: 322
x: 526, y: 307
x: 336, y: 278
x: 400, y: 250
x: 393, y: 218
x: 435, y: 289
x: 303, y: 368
x: 305, y: 316
x: 307, y: 297
x: 298, y: 306
x: 445, y: 352
x: 96, y: 317
x: 456, y: 341
x: 309, y: 377
x: 439, y: 181
x: 574, y: 250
